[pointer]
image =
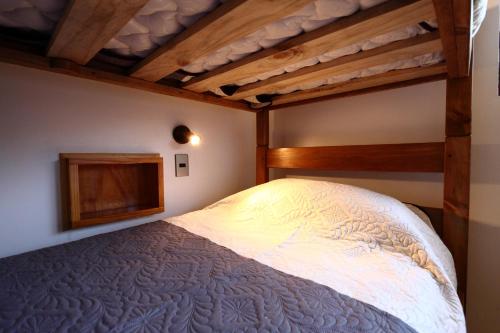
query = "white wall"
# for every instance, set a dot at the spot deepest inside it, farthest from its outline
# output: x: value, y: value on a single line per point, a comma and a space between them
x: 43, y: 114
x: 406, y: 115
x: 483, y: 310
x: 416, y: 114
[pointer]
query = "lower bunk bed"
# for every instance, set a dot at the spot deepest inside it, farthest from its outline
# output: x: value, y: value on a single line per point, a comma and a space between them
x: 287, y: 256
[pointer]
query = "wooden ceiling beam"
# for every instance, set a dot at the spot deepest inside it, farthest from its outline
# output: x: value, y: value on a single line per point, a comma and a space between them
x: 229, y: 22
x: 87, y: 25
x: 401, y: 50
x: 394, y: 76
x: 454, y: 20
x: 384, y: 18
x: 67, y: 67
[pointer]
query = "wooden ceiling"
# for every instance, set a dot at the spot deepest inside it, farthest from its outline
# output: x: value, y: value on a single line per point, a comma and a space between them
x: 87, y: 26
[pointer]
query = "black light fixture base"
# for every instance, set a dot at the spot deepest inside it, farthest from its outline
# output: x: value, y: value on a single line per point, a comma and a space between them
x: 181, y: 134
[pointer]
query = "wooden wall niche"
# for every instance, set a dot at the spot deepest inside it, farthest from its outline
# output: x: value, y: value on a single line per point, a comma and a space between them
x: 103, y: 188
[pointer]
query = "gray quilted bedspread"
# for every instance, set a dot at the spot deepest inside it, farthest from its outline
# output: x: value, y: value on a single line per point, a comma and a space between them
x: 160, y: 278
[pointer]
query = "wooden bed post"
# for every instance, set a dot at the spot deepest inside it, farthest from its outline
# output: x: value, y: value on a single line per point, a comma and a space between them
x: 454, y: 20
x: 457, y: 175
x: 262, y: 171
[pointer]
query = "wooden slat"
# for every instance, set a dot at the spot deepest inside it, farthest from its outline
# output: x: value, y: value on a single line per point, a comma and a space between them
x: 387, y: 17
x: 262, y: 171
x: 454, y: 20
x: 456, y: 205
x: 111, y: 157
x: 361, y: 83
x: 229, y: 22
x: 88, y: 25
x: 65, y: 195
x: 112, y: 160
x: 161, y: 187
x: 74, y: 194
x: 69, y: 68
x: 393, y: 52
x: 118, y: 216
x: 412, y: 157
x: 369, y: 90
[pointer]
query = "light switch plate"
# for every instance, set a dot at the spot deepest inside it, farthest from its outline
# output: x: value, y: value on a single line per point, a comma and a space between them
x: 181, y: 165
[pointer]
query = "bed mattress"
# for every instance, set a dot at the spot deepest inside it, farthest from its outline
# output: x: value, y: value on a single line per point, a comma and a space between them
x: 363, y: 244
x: 159, y: 277
x: 291, y: 255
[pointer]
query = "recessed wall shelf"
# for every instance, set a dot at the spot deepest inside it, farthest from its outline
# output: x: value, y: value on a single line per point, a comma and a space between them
x: 103, y: 188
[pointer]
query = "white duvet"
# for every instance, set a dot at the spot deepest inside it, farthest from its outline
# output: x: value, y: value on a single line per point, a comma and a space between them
x: 363, y: 244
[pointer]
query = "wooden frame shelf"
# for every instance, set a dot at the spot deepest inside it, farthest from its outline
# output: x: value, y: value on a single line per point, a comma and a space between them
x: 104, y: 188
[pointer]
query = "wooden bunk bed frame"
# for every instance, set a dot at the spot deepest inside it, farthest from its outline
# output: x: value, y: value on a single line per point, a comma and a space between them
x: 451, y: 157
x: 74, y: 49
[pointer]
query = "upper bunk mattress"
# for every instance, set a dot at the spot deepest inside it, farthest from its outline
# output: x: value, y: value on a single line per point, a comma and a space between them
x: 161, y: 20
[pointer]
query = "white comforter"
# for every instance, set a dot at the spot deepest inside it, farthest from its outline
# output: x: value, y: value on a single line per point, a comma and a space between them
x: 363, y: 244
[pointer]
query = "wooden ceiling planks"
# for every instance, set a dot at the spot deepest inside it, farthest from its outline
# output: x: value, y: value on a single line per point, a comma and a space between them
x: 401, y: 50
x: 227, y: 23
x: 88, y: 25
x: 394, y: 76
x: 454, y: 20
x: 384, y: 18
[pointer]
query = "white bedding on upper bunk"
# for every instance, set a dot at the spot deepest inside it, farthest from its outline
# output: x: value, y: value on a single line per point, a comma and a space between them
x: 361, y: 243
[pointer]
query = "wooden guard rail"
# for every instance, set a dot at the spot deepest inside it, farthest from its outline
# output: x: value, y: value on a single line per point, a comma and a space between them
x: 412, y: 157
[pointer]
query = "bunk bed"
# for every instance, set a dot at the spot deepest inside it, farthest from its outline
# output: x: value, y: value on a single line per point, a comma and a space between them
x: 262, y: 55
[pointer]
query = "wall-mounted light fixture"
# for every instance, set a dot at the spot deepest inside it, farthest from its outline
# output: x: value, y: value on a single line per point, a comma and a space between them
x: 182, y: 134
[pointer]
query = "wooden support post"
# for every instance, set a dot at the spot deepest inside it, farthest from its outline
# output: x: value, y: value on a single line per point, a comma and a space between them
x: 262, y: 171
x: 458, y: 106
x: 457, y: 175
x: 454, y: 20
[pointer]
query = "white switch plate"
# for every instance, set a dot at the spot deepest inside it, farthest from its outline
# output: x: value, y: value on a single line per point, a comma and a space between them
x: 181, y: 165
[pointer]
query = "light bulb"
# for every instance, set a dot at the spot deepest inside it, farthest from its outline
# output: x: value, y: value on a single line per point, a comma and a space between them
x: 194, y: 140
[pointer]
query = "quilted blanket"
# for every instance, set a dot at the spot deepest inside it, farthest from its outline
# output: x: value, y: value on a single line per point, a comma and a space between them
x: 159, y: 277
x: 360, y: 243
